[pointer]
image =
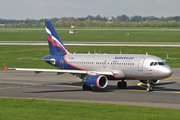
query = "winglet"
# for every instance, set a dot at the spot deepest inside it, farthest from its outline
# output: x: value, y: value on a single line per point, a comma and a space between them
x: 5, y: 68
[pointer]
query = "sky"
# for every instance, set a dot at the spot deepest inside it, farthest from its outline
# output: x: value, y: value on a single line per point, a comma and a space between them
x: 38, y: 9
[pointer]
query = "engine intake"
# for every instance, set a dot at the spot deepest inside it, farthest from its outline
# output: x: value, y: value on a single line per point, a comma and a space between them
x: 96, y: 81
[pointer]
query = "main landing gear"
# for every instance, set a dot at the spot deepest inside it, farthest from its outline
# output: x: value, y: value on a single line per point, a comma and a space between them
x: 122, y: 84
x: 149, y: 87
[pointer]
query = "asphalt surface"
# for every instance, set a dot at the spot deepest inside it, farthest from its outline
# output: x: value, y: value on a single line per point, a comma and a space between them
x: 95, y: 43
x: 49, y: 86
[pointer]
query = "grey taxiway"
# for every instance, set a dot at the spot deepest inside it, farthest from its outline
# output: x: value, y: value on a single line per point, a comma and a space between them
x: 49, y: 86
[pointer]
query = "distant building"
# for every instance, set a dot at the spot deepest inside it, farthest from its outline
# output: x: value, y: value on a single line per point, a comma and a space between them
x: 73, y: 27
x: 1, y: 25
x: 110, y: 20
x: 72, y: 31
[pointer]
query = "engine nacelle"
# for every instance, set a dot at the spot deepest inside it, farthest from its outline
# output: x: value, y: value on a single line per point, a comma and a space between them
x: 96, y: 81
x: 152, y: 82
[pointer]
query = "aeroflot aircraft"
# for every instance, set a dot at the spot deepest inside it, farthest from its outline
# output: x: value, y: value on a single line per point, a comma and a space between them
x: 96, y: 69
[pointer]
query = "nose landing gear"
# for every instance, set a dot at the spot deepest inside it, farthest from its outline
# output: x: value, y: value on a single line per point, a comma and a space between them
x: 149, y: 87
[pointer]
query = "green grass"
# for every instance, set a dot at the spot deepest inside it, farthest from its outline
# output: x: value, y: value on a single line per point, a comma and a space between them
x: 13, y: 109
x: 93, y: 35
x: 10, y: 54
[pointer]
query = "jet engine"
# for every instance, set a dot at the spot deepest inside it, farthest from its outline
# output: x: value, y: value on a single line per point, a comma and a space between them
x: 152, y: 82
x: 96, y: 81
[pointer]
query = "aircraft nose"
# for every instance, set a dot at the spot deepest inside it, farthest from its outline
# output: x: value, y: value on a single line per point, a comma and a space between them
x: 167, y: 72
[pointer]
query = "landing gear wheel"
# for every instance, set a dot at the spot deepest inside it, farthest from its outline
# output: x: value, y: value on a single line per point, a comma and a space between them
x: 85, y: 87
x: 149, y: 87
x: 122, y: 85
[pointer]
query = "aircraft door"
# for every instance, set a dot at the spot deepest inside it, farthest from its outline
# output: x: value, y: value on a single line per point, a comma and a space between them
x: 62, y: 62
x: 140, y: 64
x: 105, y: 64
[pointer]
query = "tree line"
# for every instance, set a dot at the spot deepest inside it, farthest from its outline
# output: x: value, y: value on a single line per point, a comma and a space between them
x: 96, y: 21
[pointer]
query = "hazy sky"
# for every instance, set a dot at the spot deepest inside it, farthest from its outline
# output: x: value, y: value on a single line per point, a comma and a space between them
x: 37, y: 9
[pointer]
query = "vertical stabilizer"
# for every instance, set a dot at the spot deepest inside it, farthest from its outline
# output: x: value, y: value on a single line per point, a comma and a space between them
x: 54, y: 41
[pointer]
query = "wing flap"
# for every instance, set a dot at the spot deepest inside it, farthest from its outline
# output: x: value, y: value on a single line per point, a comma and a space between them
x: 47, y: 60
x: 64, y: 71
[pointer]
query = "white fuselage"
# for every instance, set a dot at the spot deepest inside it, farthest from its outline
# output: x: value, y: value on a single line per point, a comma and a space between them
x: 122, y: 65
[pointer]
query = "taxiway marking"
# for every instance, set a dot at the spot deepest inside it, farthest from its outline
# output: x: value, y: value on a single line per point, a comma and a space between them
x: 32, y: 84
x: 158, y: 90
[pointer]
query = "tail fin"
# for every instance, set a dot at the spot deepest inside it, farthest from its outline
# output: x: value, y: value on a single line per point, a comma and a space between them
x: 54, y: 41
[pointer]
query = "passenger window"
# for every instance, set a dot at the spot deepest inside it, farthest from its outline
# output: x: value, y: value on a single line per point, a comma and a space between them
x: 151, y: 63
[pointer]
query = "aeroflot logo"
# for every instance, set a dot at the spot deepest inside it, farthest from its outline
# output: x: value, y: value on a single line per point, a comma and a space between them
x: 124, y: 58
x: 49, y: 34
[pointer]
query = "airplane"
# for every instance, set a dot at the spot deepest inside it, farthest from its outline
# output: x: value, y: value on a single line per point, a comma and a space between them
x: 96, y: 70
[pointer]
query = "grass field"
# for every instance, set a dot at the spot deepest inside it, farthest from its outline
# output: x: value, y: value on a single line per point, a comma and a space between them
x: 10, y: 54
x: 42, y: 110
x: 13, y: 109
x: 137, y: 35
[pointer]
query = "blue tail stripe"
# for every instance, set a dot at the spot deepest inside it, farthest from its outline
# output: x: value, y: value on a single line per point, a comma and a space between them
x: 49, y: 35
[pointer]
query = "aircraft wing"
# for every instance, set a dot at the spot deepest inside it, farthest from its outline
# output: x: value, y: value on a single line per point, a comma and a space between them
x: 48, y: 60
x: 61, y: 71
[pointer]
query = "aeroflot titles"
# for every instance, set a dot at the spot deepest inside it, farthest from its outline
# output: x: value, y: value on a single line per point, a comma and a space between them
x: 124, y: 58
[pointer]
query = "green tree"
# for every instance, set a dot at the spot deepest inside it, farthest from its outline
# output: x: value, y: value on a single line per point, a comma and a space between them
x: 145, y: 24
x: 162, y: 24
x: 29, y: 24
x: 38, y: 24
x: 173, y: 23
x: 68, y: 23
x: 20, y: 25
x: 89, y: 23
x: 12, y: 25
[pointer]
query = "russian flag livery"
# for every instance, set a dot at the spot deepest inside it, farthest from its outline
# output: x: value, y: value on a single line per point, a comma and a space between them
x: 55, y: 44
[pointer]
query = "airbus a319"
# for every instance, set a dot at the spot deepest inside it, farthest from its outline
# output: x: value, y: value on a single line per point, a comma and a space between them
x: 96, y: 70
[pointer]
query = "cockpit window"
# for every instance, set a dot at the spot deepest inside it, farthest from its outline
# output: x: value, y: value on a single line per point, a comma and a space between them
x: 155, y: 63
x: 151, y: 63
x: 160, y: 63
x: 165, y: 63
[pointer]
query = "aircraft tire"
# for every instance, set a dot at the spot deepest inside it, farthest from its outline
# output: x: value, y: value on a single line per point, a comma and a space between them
x: 149, y: 89
x: 122, y: 85
x: 119, y: 85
